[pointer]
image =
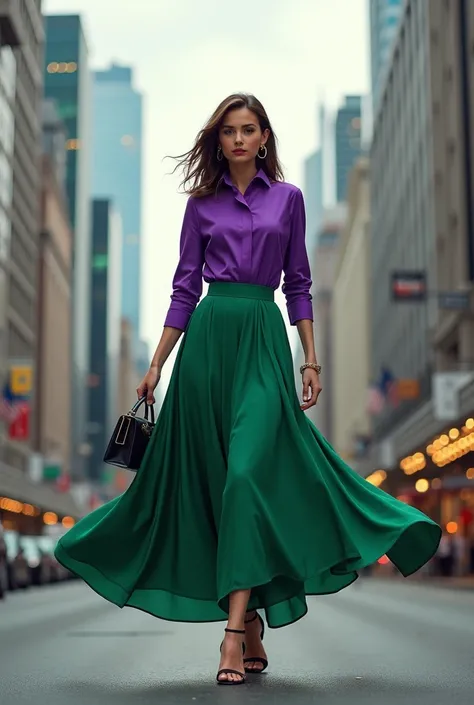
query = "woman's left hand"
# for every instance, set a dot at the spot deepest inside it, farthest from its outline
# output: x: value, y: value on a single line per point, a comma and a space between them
x: 311, y: 388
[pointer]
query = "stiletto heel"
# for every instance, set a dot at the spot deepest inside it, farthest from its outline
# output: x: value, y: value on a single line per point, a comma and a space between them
x: 257, y: 659
x: 231, y: 670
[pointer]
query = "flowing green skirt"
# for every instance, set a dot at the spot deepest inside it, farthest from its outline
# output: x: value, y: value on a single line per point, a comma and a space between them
x: 238, y: 489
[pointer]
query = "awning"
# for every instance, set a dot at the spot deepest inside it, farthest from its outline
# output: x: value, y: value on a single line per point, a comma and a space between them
x: 415, y: 431
x: 16, y: 484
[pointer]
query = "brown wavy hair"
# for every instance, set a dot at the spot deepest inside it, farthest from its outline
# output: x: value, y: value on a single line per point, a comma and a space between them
x: 202, y: 170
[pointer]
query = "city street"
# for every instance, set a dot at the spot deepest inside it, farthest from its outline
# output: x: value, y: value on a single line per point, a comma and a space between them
x: 377, y: 642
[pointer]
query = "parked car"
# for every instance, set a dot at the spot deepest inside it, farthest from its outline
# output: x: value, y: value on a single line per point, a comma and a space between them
x: 58, y: 571
x: 39, y: 563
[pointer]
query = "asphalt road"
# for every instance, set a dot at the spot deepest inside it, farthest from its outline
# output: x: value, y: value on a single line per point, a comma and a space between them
x: 376, y: 642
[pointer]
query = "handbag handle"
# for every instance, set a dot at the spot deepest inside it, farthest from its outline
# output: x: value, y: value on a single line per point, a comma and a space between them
x: 137, y: 405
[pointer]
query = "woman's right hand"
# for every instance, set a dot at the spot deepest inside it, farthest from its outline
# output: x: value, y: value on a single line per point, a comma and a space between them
x: 149, y: 384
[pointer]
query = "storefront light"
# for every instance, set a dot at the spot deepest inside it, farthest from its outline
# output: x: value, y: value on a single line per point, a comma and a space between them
x: 377, y: 477
x: 422, y: 485
x: 451, y: 527
x: 11, y: 505
x: 453, y: 434
x: 50, y: 518
x: 68, y: 522
x: 470, y: 423
x: 470, y: 473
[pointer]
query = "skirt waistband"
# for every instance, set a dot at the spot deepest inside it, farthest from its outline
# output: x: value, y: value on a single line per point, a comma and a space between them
x: 237, y: 290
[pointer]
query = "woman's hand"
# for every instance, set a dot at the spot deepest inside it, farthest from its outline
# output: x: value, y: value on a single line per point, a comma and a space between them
x: 149, y: 384
x: 311, y: 388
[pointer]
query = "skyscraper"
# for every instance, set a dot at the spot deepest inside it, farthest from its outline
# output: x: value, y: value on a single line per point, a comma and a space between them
x: 106, y: 331
x: 68, y: 83
x: 347, y: 142
x: 313, y: 194
x: 117, y: 174
x: 384, y: 21
x: 21, y: 86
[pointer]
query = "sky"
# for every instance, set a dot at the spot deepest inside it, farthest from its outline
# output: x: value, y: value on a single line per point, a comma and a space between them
x: 190, y: 54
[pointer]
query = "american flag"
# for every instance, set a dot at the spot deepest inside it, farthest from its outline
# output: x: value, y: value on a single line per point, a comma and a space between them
x: 375, y: 401
x: 8, y: 410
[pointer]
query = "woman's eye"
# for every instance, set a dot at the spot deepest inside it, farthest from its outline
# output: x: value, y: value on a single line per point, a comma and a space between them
x: 227, y: 132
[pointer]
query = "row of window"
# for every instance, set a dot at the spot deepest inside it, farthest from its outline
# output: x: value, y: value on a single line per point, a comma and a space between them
x: 61, y: 67
x: 126, y: 141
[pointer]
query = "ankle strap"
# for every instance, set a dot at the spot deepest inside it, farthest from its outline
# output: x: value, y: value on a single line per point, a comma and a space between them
x: 235, y: 631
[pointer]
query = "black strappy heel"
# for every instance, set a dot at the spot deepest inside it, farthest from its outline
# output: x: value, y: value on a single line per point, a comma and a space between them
x: 231, y: 670
x: 257, y: 659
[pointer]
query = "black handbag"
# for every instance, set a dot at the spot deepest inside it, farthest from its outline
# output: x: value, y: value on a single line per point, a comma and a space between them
x: 130, y: 438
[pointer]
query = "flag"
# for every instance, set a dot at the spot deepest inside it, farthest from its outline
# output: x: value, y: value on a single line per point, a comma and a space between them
x: 388, y: 386
x: 8, y: 408
x: 375, y: 400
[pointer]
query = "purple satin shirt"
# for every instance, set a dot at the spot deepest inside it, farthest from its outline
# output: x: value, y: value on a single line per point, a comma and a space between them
x: 251, y: 238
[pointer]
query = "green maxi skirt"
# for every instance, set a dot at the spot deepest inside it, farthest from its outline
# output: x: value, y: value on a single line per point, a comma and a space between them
x: 238, y: 489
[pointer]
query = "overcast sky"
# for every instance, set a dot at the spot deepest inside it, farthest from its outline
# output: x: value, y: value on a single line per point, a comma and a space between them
x: 188, y: 55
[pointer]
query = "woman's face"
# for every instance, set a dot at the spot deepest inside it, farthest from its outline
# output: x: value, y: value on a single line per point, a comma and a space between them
x: 240, y: 136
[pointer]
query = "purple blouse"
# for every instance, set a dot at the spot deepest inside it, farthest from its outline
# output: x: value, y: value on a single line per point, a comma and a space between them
x: 251, y: 238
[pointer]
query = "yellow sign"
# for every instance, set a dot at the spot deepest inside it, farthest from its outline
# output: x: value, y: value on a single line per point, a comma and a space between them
x: 21, y: 380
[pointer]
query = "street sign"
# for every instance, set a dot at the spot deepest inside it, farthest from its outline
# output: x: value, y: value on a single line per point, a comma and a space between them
x: 454, y: 300
x: 408, y: 285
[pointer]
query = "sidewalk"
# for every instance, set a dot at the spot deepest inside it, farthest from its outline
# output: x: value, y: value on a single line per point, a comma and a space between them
x: 465, y: 582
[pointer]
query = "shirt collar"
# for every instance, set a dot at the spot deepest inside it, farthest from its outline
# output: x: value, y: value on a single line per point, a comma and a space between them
x: 259, y: 175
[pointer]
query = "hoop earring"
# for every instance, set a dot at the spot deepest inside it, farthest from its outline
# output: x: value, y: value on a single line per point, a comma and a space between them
x: 265, y: 151
x: 220, y: 156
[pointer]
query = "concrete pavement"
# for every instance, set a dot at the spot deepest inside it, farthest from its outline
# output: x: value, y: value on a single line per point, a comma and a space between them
x: 376, y: 642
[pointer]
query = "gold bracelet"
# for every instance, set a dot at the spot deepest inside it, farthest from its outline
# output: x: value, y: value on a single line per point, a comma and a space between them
x: 311, y: 365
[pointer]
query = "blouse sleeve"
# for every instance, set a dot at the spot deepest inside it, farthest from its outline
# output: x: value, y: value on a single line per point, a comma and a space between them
x: 297, y: 274
x: 187, y: 281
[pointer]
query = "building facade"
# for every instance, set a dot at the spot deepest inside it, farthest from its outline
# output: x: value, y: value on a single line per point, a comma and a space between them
x: 323, y: 272
x: 384, y: 23
x: 53, y: 420
x: 7, y: 122
x: 117, y: 174
x: 21, y: 93
x: 351, y: 425
x: 422, y: 205
x: 347, y: 142
x: 68, y: 82
x: 23, y: 497
x: 313, y: 194
x: 106, y: 332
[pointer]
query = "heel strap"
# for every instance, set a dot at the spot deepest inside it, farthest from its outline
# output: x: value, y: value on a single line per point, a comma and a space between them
x: 255, y: 615
x: 235, y: 631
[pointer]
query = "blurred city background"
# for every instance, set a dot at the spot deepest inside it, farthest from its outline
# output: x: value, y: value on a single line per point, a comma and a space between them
x: 373, y: 103
x: 388, y: 179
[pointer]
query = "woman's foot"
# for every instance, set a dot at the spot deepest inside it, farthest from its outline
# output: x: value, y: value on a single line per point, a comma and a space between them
x: 232, y: 659
x: 256, y: 657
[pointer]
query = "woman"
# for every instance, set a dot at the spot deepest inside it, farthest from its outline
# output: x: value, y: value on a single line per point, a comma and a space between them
x: 240, y: 504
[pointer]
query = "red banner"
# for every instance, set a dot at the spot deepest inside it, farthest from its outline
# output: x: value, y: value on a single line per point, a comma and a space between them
x: 19, y: 429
